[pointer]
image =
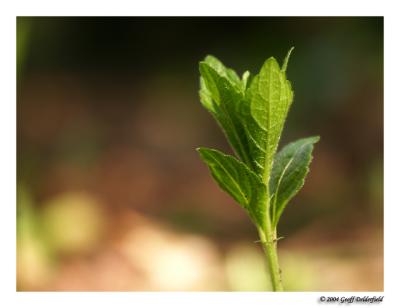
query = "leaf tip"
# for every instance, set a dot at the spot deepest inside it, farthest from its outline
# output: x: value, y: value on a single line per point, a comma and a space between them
x: 209, y: 58
x: 269, y: 64
x: 202, y: 65
x: 199, y: 150
x: 271, y: 60
x: 204, y: 152
x: 314, y: 139
x: 286, y: 61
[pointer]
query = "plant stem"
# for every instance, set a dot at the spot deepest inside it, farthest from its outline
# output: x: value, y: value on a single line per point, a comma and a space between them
x: 268, y: 240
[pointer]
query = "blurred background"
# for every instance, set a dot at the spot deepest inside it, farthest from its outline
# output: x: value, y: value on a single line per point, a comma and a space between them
x: 111, y: 194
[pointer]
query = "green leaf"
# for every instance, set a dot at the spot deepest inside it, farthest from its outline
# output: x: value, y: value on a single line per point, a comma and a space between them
x: 205, y: 97
x: 223, y: 99
x: 223, y: 71
x: 239, y: 181
x: 245, y: 79
x: 289, y: 170
x: 252, y: 112
x: 286, y: 61
x: 268, y: 99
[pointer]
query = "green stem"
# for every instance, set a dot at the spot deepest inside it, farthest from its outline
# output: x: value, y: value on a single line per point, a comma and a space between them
x: 268, y: 240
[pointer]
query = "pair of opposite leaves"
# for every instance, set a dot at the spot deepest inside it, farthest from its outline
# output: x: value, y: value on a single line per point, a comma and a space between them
x: 252, y: 111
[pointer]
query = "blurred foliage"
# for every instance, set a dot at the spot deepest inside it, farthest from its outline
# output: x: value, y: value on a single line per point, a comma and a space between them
x: 34, y: 260
x: 244, y: 266
x: 72, y: 223
x: 109, y: 183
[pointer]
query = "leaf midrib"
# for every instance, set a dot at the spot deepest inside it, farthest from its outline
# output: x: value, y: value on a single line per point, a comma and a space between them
x: 234, y: 181
x: 266, y: 167
x: 281, y: 177
x: 246, y: 158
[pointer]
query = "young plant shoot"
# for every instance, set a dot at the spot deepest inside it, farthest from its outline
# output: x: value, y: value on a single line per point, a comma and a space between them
x: 252, y: 111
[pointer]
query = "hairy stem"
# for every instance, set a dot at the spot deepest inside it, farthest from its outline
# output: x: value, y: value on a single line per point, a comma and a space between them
x: 269, y: 243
